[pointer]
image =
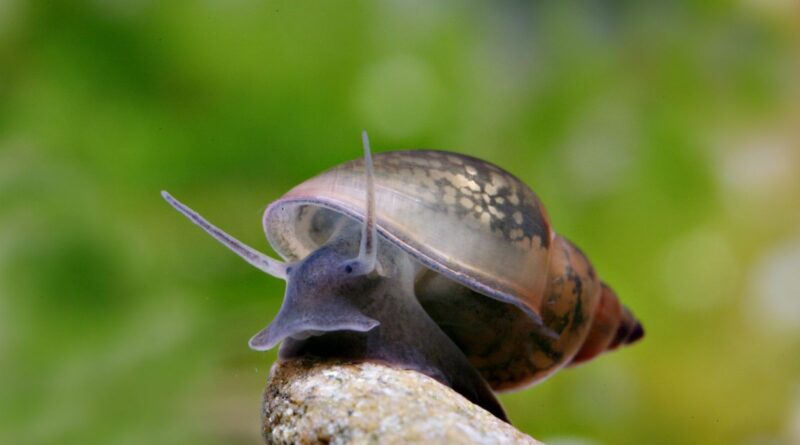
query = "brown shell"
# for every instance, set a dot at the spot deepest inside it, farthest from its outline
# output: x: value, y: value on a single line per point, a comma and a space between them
x: 484, y: 232
x: 458, y: 215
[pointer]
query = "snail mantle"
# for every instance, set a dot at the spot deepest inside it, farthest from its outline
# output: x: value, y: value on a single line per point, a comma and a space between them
x: 311, y: 400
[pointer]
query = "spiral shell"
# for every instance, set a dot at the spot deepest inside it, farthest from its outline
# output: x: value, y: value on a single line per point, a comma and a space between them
x: 480, y: 232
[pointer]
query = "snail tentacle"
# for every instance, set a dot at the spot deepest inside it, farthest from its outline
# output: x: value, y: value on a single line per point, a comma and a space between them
x: 367, y: 253
x: 261, y: 261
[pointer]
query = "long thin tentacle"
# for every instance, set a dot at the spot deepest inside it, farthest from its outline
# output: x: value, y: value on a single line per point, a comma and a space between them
x: 271, y: 266
x: 369, y: 236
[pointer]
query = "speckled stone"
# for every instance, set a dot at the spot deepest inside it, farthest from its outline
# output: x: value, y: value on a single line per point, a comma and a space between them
x: 335, y: 402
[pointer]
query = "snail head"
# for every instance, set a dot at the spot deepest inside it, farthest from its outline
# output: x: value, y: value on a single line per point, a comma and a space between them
x: 323, y: 288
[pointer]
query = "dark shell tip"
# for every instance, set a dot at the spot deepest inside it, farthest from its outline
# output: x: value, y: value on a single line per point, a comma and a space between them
x: 623, y: 332
x: 636, y: 334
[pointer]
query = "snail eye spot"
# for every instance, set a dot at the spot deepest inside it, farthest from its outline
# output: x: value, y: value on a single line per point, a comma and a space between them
x: 348, y: 269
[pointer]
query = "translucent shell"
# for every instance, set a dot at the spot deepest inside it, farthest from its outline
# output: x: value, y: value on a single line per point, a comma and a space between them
x: 462, y: 217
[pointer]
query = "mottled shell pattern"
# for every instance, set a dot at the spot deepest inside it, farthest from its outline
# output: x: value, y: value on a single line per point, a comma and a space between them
x: 479, y: 232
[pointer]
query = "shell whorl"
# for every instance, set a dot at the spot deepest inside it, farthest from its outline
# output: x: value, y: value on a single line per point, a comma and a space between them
x: 460, y: 216
x: 481, y: 194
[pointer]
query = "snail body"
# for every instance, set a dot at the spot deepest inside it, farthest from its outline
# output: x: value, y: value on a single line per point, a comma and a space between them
x: 432, y: 261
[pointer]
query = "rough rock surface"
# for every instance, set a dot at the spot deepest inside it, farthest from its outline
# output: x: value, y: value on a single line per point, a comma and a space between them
x: 335, y: 402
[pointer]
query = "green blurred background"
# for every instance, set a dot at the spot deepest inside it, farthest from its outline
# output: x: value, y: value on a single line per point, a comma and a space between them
x: 663, y: 137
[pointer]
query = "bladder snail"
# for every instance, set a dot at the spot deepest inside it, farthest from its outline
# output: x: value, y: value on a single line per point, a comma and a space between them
x: 432, y: 261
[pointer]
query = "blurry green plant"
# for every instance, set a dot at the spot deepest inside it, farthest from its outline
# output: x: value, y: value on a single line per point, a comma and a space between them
x: 661, y: 137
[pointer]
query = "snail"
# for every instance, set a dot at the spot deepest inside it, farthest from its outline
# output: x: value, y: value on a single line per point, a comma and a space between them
x: 432, y: 261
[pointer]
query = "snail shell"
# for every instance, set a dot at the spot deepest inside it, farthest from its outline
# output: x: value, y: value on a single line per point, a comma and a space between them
x: 479, y: 232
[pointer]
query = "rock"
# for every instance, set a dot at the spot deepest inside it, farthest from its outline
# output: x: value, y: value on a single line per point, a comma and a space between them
x: 337, y: 402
